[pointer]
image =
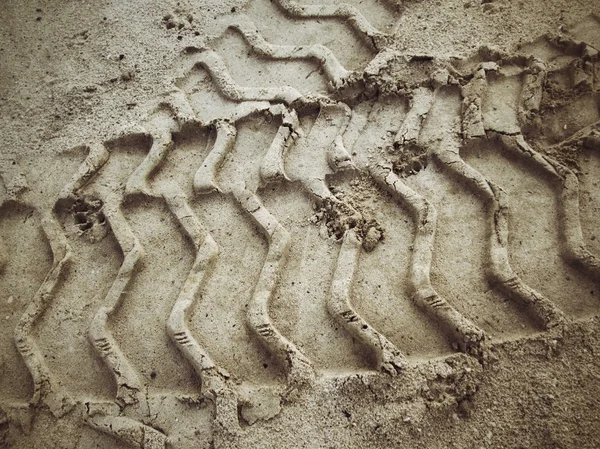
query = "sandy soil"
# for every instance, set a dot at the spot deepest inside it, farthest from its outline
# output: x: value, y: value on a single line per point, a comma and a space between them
x: 270, y: 224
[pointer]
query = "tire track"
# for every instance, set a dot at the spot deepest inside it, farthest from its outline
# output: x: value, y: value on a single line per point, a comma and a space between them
x: 299, y: 305
x: 419, y: 105
x: 526, y: 99
x: 327, y: 138
x: 334, y: 71
x: 574, y: 249
x: 129, y: 388
x: 535, y: 239
x: 219, y: 73
x: 590, y: 161
x: 389, y: 358
x: 322, y: 138
x: 214, y: 380
x: 22, y: 239
x: 207, y: 252
x: 45, y: 389
x: 299, y: 369
x: 205, y: 177
x: 350, y: 47
x: 272, y: 170
x: 129, y: 385
x: 340, y: 11
x: 95, y: 259
x: 128, y: 431
x: 469, y: 337
x: 446, y: 150
x: 457, y: 327
x: 272, y: 167
x: 171, y: 259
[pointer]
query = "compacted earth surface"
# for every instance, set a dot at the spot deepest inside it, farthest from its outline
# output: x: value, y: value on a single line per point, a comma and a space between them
x: 280, y: 224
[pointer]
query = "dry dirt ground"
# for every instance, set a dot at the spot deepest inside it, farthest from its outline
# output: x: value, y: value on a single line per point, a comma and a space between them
x: 271, y: 224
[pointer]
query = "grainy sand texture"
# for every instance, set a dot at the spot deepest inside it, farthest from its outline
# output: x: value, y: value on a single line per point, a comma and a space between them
x: 279, y: 224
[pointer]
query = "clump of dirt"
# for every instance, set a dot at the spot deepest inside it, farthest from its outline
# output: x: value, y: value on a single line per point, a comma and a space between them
x: 344, y: 213
x: 567, y: 154
x: 372, y: 238
x: 557, y: 95
x: 410, y: 160
x: 567, y: 106
x: 180, y: 22
x: 89, y: 218
x: 457, y: 386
